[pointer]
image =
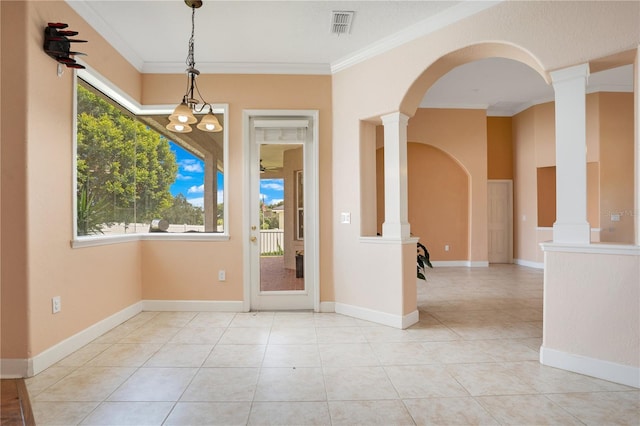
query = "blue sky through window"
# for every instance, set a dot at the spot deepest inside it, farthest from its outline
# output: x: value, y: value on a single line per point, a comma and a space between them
x: 190, y: 180
x: 190, y: 177
x: 271, y: 190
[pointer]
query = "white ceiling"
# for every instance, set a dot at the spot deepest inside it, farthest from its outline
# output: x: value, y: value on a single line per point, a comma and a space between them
x: 294, y: 37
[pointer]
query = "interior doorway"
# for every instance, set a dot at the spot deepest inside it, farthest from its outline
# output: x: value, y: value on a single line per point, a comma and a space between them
x: 500, y: 220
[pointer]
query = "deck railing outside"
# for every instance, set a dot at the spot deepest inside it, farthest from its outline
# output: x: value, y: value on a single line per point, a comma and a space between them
x: 271, y: 242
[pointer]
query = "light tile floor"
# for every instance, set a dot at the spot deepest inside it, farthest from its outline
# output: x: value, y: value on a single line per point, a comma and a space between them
x: 472, y: 359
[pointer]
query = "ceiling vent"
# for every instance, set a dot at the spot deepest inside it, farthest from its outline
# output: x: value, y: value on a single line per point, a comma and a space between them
x: 341, y: 21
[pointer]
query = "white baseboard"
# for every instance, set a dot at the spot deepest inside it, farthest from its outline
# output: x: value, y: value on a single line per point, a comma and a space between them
x: 16, y: 368
x: 193, y: 305
x: 528, y: 263
x: 467, y: 263
x: 606, y: 370
x: 410, y: 319
x: 383, y: 318
x: 13, y: 368
x: 327, y: 306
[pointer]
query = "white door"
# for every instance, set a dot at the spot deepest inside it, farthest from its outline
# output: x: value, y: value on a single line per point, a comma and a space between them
x: 500, y: 204
x: 282, y: 235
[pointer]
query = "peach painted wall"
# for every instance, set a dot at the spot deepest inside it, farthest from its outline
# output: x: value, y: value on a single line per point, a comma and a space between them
x: 546, y: 196
x: 240, y: 92
x: 293, y: 161
x: 397, y: 79
x: 38, y: 262
x: 609, y: 168
x: 616, y: 167
x: 525, y: 212
x: 499, y: 148
x: 604, y: 324
x: 438, y: 201
x: 546, y: 199
x: 37, y: 184
x: 14, y: 322
x: 462, y: 134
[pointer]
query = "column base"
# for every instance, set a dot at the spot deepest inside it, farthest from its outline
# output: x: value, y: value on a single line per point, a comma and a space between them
x: 572, y: 233
x: 400, y: 231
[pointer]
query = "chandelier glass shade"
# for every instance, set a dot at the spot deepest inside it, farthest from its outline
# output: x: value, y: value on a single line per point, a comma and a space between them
x: 183, y: 116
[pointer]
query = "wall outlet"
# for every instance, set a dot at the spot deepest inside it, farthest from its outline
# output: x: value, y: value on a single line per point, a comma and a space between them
x: 446, y: 247
x: 56, y: 304
x: 222, y: 275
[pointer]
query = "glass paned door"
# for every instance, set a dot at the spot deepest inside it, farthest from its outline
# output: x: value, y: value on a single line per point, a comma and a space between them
x: 278, y: 279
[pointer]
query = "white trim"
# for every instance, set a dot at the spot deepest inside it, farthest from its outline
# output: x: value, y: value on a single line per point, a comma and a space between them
x: 84, y: 9
x: 194, y: 305
x: 389, y: 240
x: 290, y: 117
x: 378, y: 317
x: 410, y: 319
x: 14, y: 368
x: 327, y: 307
x: 529, y: 263
x: 71, y: 344
x: 606, y: 370
x: 446, y: 105
x: 92, y: 241
x: 454, y: 263
x: 594, y: 248
x: 610, y: 88
x: 420, y: 29
x: 238, y: 68
x: 570, y: 73
x: 427, y: 26
x: 109, y: 89
x: 281, y: 123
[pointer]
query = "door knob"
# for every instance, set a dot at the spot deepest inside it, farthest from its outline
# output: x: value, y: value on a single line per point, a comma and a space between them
x: 254, y: 239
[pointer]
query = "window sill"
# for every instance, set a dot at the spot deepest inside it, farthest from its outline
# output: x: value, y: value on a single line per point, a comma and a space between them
x: 81, y: 242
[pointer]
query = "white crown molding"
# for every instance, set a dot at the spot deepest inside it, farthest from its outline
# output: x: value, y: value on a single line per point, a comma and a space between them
x: 422, y: 28
x: 617, y: 88
x: 238, y: 68
x: 427, y: 26
x: 447, y: 105
x: 84, y: 9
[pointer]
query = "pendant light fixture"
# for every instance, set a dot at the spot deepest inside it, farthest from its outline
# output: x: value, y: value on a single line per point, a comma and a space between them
x: 182, y: 118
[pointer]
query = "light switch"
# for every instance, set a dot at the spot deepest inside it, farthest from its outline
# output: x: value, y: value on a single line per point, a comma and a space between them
x: 615, y: 217
x: 345, y: 217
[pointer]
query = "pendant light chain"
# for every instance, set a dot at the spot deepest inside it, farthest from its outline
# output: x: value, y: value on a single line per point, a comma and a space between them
x: 183, y: 115
x: 191, y: 61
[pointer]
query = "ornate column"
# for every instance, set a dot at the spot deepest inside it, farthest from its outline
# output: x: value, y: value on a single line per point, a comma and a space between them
x: 571, y: 224
x: 396, y: 222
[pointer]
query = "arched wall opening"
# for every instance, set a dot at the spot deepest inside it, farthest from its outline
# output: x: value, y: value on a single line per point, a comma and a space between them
x: 438, y: 200
x: 462, y: 133
x: 471, y: 53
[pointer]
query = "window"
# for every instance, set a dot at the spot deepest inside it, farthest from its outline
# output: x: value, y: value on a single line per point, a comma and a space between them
x: 135, y: 177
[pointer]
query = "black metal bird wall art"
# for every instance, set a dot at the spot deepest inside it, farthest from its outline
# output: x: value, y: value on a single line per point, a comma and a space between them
x: 57, y: 44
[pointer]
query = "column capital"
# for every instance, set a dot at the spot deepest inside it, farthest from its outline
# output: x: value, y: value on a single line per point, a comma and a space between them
x: 394, y: 117
x: 571, y: 73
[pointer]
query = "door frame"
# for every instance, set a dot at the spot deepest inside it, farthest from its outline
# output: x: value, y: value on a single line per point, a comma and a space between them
x: 312, y: 209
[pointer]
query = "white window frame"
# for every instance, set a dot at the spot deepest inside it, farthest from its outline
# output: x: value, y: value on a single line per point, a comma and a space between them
x: 125, y: 101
